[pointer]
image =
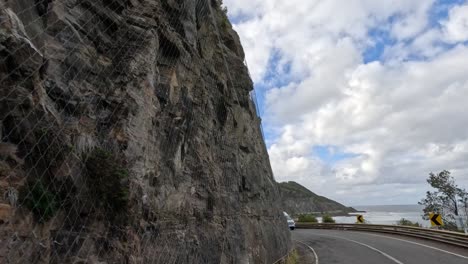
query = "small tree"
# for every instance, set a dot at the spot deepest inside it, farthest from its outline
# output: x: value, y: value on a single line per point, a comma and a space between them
x: 222, y: 7
x: 327, y: 219
x: 444, y: 200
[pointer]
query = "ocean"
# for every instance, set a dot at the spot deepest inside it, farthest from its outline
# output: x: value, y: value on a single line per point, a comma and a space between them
x: 386, y: 214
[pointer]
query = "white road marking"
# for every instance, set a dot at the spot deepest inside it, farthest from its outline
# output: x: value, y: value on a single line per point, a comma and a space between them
x: 373, y: 248
x: 313, y: 251
x: 419, y: 244
x: 370, y: 247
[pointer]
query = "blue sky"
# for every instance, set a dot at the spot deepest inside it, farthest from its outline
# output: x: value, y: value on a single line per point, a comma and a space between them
x: 350, y: 93
x: 331, y: 154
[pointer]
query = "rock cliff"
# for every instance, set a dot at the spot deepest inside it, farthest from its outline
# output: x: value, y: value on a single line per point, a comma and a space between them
x: 128, y: 136
x: 297, y: 199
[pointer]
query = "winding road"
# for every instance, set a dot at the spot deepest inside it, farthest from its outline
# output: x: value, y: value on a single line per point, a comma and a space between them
x: 352, y: 247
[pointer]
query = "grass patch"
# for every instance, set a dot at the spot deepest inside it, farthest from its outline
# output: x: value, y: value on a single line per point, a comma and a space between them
x: 293, y: 257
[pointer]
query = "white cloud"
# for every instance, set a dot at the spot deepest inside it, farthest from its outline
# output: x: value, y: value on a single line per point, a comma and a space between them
x: 403, y: 115
x: 456, y: 27
x: 302, y: 29
x: 413, y: 20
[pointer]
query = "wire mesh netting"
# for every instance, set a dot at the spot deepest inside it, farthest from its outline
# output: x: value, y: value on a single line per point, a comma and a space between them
x: 127, y: 134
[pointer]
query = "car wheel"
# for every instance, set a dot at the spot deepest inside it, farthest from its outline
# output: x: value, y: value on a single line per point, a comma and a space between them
x: 292, y: 228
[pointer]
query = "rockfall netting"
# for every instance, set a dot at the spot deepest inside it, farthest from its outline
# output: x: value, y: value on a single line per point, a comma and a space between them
x: 92, y: 94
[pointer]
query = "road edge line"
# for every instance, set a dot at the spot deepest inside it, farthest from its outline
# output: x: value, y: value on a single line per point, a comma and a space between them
x: 373, y: 248
x: 419, y: 244
x: 370, y: 247
x: 312, y: 249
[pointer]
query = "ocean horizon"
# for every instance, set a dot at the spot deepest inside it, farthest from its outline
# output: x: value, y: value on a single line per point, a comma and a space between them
x: 386, y: 214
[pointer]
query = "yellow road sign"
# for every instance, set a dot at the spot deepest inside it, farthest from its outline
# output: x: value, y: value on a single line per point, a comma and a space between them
x: 436, y: 219
x: 360, y: 219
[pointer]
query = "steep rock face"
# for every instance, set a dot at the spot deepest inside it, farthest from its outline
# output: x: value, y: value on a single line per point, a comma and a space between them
x: 296, y: 199
x: 128, y: 136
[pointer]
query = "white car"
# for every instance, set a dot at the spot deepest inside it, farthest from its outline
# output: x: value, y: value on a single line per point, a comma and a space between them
x: 291, y: 223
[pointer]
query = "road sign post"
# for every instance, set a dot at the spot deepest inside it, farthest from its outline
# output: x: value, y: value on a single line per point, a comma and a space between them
x: 360, y: 219
x: 436, y: 219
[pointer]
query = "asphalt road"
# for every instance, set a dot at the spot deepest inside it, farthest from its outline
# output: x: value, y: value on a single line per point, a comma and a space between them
x: 351, y: 247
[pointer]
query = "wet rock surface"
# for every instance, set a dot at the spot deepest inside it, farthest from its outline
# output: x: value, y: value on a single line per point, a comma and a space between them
x: 129, y: 136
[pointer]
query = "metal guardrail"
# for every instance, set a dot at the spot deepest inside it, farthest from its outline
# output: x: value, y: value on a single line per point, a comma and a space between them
x: 447, y: 237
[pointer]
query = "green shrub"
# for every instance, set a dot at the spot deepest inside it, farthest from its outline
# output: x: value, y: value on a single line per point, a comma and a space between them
x: 406, y: 222
x: 225, y: 23
x: 365, y: 222
x: 327, y: 219
x: 107, y: 181
x: 307, y: 218
x: 35, y: 196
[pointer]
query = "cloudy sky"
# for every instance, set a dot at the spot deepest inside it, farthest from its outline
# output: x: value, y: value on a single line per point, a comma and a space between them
x: 360, y: 99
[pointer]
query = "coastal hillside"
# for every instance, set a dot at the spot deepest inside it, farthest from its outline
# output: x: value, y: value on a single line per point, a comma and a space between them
x: 297, y: 199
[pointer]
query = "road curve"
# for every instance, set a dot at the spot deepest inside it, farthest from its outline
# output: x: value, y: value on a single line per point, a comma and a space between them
x: 349, y: 247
